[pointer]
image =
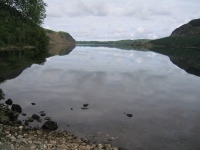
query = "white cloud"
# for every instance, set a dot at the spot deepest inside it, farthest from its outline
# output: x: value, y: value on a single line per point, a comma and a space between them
x: 119, y: 19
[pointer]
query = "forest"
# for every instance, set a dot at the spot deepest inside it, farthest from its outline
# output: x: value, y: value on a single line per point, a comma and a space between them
x: 20, y: 22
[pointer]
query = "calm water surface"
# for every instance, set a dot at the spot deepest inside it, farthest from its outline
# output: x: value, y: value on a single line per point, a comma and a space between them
x: 163, y: 99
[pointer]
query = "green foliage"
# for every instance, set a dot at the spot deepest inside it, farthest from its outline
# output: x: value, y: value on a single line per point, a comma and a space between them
x: 186, y: 41
x: 19, y: 23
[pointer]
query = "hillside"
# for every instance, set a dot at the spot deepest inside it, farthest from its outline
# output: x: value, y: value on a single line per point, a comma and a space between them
x: 186, y: 36
x: 191, y: 28
x: 60, y: 37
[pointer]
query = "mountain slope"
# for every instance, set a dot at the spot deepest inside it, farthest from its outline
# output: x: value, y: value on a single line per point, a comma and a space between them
x: 60, y: 37
x: 191, y: 28
x: 186, y: 36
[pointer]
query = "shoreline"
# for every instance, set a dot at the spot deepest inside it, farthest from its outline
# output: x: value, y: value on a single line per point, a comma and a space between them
x: 14, y: 135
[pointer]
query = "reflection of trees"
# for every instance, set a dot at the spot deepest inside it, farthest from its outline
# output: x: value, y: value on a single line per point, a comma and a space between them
x: 12, y: 63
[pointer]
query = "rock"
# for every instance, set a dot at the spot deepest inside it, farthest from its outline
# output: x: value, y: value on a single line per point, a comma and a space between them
x: 42, y: 114
x: 85, y: 105
x: 34, y: 116
x: 4, y: 119
x: 9, y: 102
x: 30, y: 119
x: 129, y: 115
x: 47, y: 118
x: 26, y: 122
x: 50, y: 125
x: 23, y: 114
x: 17, y: 108
x: 33, y: 103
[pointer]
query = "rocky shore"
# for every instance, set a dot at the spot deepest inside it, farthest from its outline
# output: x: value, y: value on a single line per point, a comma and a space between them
x: 16, y: 135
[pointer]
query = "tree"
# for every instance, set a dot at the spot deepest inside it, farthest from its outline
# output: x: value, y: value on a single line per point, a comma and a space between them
x: 30, y: 10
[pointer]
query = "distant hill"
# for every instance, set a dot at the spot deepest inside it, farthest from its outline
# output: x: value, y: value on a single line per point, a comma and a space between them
x: 191, y: 28
x: 186, y: 36
x: 60, y: 37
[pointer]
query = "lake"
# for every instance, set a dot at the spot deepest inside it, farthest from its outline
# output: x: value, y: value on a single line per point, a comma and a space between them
x: 138, y: 100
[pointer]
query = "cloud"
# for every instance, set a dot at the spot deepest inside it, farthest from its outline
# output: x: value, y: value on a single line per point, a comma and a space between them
x: 119, y: 19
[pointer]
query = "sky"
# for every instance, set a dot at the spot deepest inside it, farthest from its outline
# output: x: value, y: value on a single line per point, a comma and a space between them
x: 110, y: 20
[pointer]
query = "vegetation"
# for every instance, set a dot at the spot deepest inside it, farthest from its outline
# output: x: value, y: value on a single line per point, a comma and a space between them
x: 185, y: 41
x: 20, y: 22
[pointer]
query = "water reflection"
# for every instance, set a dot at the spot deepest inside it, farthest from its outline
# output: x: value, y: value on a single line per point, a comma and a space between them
x: 61, y: 49
x: 187, y: 59
x: 137, y: 100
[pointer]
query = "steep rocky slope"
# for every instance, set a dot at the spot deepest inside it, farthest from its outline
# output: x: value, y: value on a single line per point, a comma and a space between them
x: 191, y: 28
x: 60, y: 37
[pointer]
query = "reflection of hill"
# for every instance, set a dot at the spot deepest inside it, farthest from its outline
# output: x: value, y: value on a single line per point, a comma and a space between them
x: 61, y: 49
x: 190, y: 66
x: 118, y: 46
x: 13, y: 63
x: 187, y: 59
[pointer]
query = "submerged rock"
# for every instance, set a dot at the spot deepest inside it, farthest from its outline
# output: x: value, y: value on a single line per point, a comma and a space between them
x: 129, y: 115
x: 34, y: 116
x: 9, y: 102
x: 17, y: 108
x: 50, y: 125
x: 33, y: 103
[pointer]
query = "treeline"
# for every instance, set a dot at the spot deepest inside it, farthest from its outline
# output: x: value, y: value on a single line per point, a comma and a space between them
x: 19, y: 28
x: 185, y: 41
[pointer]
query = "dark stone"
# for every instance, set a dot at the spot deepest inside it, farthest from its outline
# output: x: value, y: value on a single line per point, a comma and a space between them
x: 26, y: 122
x: 9, y: 102
x: 34, y: 116
x: 23, y: 114
x: 43, y: 114
x: 71, y: 108
x: 85, y: 105
x: 50, y: 125
x: 33, y: 103
x: 129, y: 115
x: 30, y: 119
x: 17, y: 108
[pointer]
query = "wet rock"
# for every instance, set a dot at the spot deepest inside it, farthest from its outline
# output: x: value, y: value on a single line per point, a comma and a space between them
x: 33, y: 103
x: 30, y: 119
x: 42, y: 114
x: 34, y: 116
x: 50, y: 125
x: 85, y: 105
x: 23, y: 114
x: 26, y: 122
x: 129, y: 115
x: 9, y: 102
x: 17, y: 108
x: 47, y: 118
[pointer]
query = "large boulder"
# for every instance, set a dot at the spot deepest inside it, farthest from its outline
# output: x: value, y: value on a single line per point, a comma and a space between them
x: 17, y: 108
x: 50, y: 125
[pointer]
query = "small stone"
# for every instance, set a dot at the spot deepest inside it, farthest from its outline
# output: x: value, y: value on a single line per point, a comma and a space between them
x: 20, y: 127
x: 26, y: 122
x: 9, y: 102
x: 13, y: 138
x: 42, y: 114
x: 23, y: 114
x: 35, y: 116
x: 47, y: 118
x: 30, y: 119
x: 33, y: 103
x: 100, y: 146
x: 50, y: 125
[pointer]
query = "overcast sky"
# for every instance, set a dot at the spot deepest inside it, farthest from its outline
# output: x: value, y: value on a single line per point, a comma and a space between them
x: 119, y: 19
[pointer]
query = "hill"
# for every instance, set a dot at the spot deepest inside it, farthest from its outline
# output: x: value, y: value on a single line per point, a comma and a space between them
x: 60, y: 37
x: 186, y: 36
